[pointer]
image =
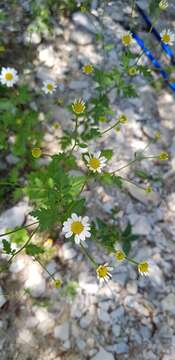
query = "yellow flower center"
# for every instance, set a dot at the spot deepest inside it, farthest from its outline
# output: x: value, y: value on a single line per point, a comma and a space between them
x: 88, y: 69
x: 36, y: 152
x: 163, y: 156
x: 132, y: 71
x: 78, y: 107
x: 123, y: 119
x: 102, y: 271
x: 8, y: 76
x: 126, y: 39
x: 143, y: 267
x: 77, y: 227
x: 94, y: 163
x: 120, y: 255
x: 166, y: 38
x: 50, y: 87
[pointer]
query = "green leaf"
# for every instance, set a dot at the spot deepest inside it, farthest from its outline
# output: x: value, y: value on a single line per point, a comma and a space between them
x: 107, y: 153
x: 6, y: 247
x: 127, y: 230
x: 33, y: 249
x: 46, y: 217
x: 19, y: 237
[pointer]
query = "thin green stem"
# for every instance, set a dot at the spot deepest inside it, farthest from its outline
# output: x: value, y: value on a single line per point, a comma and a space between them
x: 24, y: 246
x: 132, y: 182
x: 132, y: 261
x: 45, y: 269
x: 18, y: 229
x: 110, y: 128
x: 124, y: 166
x: 89, y: 256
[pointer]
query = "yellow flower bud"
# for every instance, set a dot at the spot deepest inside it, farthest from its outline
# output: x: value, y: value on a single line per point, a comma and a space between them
x: 36, y: 152
x: 163, y: 155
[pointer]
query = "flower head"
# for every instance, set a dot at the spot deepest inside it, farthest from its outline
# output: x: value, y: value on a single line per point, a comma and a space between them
x: 77, y: 226
x: 163, y: 4
x: 103, y: 273
x: 167, y: 37
x: 127, y: 39
x: 143, y: 268
x: 88, y: 69
x: 8, y: 76
x: 78, y: 107
x: 57, y: 283
x: 36, y: 152
x: 123, y: 119
x: 49, y: 87
x: 157, y: 136
x: 163, y: 156
x: 132, y: 71
x: 148, y: 190
x: 120, y: 255
x: 95, y: 162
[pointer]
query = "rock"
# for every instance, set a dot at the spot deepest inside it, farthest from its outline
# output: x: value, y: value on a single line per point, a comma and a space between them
x: 31, y: 322
x: 103, y: 355
x: 14, y: 217
x: 25, y: 336
x: 84, y: 21
x: 67, y: 252
x: 81, y: 38
x: 140, y: 223
x: 62, y: 331
x: 11, y: 159
x: 47, y: 55
x: 120, y: 348
x: 32, y: 38
x: 2, y: 298
x: 117, y: 314
x: 45, y: 320
x: 168, y: 303
x: 85, y: 321
x: 35, y: 282
x: 18, y: 264
x: 132, y: 287
x: 104, y: 316
x: 116, y: 330
x: 80, y: 344
x: 141, y: 194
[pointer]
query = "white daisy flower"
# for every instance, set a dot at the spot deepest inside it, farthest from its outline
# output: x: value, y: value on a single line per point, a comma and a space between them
x: 167, y: 37
x: 95, y: 162
x: 77, y: 226
x: 103, y: 273
x: 163, y: 4
x: 49, y: 87
x: 8, y: 76
x: 146, y: 268
x: 127, y: 38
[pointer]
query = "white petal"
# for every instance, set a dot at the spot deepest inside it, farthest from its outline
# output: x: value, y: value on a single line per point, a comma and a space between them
x: 68, y: 234
x: 85, y: 220
x: 74, y: 216
x: 77, y: 239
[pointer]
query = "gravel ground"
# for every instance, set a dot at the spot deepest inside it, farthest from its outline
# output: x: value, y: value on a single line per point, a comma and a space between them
x: 132, y: 318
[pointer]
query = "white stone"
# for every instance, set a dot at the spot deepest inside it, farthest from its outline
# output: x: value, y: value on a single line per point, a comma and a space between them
x: 67, y: 252
x: 141, y: 195
x: 84, y: 21
x: 85, y: 321
x: 141, y: 225
x: 17, y: 265
x: 25, y: 336
x: 35, y: 282
x: 103, y: 355
x: 168, y: 303
x: 81, y: 38
x: 47, y: 55
x: 116, y: 330
x: 33, y: 38
x: 2, y: 298
x: 62, y: 331
x: 14, y: 216
x: 103, y: 316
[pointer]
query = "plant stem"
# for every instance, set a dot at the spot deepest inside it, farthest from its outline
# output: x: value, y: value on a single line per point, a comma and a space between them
x: 110, y: 128
x: 132, y: 261
x: 89, y: 256
x: 45, y: 269
x: 24, y: 246
x: 20, y: 228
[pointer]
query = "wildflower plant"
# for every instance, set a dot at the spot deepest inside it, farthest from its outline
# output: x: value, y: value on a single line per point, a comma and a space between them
x: 55, y: 190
